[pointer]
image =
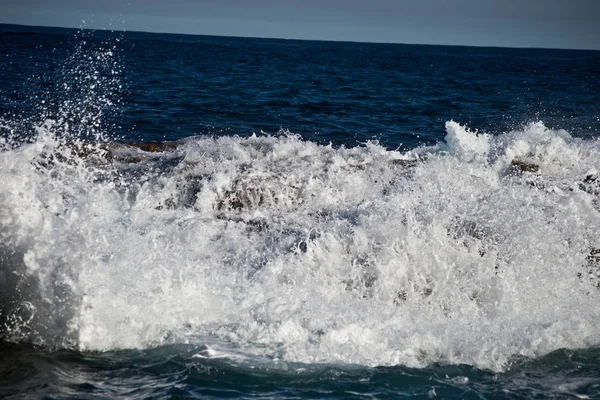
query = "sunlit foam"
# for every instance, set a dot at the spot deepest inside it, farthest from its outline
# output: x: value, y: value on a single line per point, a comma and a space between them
x: 472, y: 251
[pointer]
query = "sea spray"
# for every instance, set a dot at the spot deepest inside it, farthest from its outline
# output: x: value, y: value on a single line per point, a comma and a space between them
x: 453, y: 253
x: 45, y: 180
x: 476, y: 250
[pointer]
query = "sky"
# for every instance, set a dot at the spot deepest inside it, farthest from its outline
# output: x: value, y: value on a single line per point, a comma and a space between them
x: 573, y: 24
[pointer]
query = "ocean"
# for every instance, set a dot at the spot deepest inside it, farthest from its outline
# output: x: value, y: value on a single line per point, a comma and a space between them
x: 216, y: 217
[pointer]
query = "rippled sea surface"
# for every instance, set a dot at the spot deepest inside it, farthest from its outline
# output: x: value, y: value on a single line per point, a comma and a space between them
x: 211, y: 217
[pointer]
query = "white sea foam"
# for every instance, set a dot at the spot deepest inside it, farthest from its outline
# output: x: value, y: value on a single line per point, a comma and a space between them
x: 472, y: 251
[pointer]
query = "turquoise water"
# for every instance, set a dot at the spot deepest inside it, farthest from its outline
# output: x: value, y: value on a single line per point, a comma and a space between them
x: 177, y: 372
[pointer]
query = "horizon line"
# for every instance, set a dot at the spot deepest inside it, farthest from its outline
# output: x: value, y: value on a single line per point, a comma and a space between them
x: 80, y: 28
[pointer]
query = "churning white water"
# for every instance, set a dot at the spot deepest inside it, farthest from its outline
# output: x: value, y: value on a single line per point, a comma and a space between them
x: 473, y: 251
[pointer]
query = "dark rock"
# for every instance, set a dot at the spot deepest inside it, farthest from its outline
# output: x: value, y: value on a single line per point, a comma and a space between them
x: 153, y: 147
x: 525, y: 166
x: 404, y: 163
x: 101, y: 152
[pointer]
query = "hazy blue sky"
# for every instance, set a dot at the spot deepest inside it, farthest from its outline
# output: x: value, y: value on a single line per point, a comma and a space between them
x: 517, y: 23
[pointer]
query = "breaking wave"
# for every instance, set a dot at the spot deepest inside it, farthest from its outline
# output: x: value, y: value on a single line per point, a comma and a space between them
x: 476, y: 250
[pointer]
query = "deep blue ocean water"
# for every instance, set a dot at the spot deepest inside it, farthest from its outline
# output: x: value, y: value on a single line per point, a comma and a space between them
x: 307, y: 220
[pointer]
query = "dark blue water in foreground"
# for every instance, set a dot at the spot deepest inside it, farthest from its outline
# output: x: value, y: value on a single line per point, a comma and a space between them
x: 136, y: 87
